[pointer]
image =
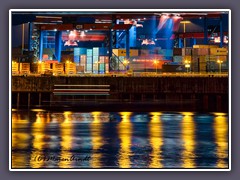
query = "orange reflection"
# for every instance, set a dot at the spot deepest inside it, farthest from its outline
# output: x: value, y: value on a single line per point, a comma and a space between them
x: 156, y: 142
x: 221, y: 130
x: 125, y: 132
x: 19, y: 141
x: 188, y: 137
x: 38, y: 135
x: 48, y: 117
x: 96, y: 130
x: 66, y: 142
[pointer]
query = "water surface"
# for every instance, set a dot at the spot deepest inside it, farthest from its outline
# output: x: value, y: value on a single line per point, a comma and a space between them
x: 44, y: 139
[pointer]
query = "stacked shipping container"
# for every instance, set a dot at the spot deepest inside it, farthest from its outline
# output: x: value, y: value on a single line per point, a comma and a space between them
x: 203, y: 58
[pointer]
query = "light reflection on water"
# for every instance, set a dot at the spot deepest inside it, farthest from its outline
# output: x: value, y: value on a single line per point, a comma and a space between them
x: 188, y: 137
x: 66, y: 134
x: 221, y: 131
x: 19, y: 141
x: 125, y: 135
x: 38, y: 136
x: 119, y: 140
x: 156, y: 142
x: 97, y: 140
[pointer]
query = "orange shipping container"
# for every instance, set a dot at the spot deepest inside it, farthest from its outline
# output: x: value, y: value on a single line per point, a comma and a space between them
x: 58, y: 68
x: 122, y: 52
x: 15, y: 68
x: 200, y: 51
x: 219, y: 51
x: 70, y: 68
x: 205, y: 46
x: 24, y: 68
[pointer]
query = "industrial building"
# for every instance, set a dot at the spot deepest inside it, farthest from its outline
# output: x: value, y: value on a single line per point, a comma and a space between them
x: 92, y: 43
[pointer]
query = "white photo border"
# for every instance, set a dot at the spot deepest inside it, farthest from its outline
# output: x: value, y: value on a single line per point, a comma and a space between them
x: 118, y: 10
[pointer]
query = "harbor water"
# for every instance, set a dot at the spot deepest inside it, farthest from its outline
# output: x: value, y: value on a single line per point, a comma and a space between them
x: 66, y: 139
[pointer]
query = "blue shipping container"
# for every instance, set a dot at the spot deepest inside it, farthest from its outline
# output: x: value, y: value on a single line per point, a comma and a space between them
x: 76, y: 51
x: 89, y: 52
x: 77, y: 59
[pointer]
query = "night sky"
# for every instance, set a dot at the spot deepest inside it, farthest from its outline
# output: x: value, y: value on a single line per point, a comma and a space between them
x: 17, y: 35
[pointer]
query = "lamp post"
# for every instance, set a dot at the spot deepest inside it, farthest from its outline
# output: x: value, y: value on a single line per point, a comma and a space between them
x: 187, y: 64
x: 220, y: 65
x: 184, y: 30
x: 39, y: 67
x: 155, y: 62
x: 125, y: 62
x: 23, y: 37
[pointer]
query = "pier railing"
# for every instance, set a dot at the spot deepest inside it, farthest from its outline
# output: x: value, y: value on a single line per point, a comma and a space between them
x: 165, y: 84
x: 80, y: 90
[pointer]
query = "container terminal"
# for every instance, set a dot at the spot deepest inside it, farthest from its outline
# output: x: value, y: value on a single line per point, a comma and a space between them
x: 86, y: 59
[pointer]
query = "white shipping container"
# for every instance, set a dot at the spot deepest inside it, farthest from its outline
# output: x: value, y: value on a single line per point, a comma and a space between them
x: 186, y: 51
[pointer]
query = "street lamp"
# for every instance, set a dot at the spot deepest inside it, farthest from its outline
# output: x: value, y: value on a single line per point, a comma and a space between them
x: 187, y: 64
x: 184, y: 29
x: 220, y: 65
x: 155, y: 62
x: 125, y: 63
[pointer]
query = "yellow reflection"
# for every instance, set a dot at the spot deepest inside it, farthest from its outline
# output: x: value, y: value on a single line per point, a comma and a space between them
x: 19, y: 141
x: 96, y: 116
x: 17, y: 120
x: 219, y: 114
x: 188, y: 137
x: 125, y: 116
x: 14, y: 117
x: 38, y: 135
x: 19, y: 160
x: 66, y: 142
x: 96, y: 130
x: 221, y: 130
x: 67, y: 116
x: 156, y: 142
x: 37, y: 110
x: 187, y: 114
x: 125, y: 132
